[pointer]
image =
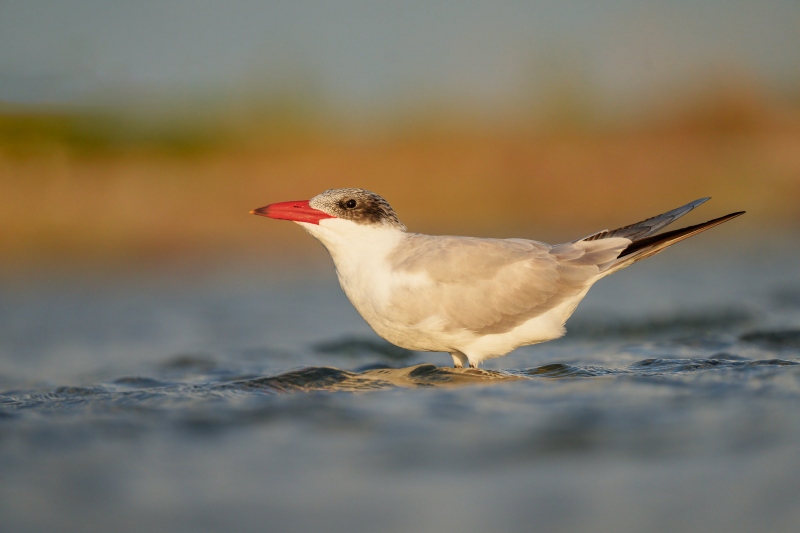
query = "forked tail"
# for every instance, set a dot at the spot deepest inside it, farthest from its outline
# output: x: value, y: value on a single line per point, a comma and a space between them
x: 645, y: 243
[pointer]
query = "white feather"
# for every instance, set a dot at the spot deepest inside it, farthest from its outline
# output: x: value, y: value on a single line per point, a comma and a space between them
x: 478, y: 297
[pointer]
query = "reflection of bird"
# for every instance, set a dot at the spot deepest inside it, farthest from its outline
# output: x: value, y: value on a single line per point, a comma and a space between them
x: 474, y: 298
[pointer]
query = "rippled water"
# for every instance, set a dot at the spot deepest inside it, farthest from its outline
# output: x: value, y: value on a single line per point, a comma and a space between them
x: 256, y: 401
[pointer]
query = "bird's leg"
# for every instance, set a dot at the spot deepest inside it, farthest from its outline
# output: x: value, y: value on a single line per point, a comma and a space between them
x: 459, y: 359
x: 473, y: 365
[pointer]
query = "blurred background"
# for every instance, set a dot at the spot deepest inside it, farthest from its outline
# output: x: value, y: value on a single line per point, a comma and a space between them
x: 169, y: 362
x: 142, y: 133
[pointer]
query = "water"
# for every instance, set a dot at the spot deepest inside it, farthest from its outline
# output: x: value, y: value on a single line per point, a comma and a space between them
x: 252, y: 401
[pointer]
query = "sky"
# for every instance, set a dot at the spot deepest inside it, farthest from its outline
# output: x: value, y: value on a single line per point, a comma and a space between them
x: 372, y: 54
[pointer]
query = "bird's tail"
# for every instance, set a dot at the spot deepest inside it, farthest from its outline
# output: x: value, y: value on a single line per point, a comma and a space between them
x: 646, y: 244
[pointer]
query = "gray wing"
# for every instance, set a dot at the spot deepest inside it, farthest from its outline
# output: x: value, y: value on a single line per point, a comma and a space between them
x: 647, y: 227
x: 494, y: 285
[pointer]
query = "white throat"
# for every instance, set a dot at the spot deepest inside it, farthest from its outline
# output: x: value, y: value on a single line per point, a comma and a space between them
x: 359, y: 251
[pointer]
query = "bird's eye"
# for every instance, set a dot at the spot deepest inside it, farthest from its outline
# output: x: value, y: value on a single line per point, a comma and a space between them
x: 350, y: 204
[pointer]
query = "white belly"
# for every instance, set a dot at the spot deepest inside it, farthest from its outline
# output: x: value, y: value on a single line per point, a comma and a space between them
x: 371, y: 295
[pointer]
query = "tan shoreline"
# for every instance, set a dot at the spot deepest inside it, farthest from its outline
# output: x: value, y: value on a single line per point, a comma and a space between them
x: 142, y: 202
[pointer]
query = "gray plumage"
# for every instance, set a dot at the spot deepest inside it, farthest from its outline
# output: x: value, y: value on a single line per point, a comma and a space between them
x: 474, y: 298
x: 647, y: 227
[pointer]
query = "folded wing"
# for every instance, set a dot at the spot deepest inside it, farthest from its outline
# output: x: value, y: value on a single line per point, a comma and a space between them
x: 491, y: 286
x: 645, y: 242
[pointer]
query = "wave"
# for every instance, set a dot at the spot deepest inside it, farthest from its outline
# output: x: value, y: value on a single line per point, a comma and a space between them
x: 775, y: 339
x: 143, y: 392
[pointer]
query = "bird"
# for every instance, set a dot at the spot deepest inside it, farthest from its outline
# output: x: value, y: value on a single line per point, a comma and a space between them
x: 474, y: 298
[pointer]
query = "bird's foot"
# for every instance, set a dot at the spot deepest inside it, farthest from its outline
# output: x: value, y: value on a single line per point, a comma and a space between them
x: 459, y: 359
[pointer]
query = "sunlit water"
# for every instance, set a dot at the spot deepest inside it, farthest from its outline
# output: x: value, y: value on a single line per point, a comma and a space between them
x: 261, y: 402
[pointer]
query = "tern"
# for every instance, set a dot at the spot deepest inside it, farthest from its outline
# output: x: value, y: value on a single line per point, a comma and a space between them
x: 474, y: 298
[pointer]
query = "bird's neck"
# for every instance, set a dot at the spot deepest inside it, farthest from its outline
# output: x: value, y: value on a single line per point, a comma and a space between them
x: 354, y: 246
x: 361, y: 256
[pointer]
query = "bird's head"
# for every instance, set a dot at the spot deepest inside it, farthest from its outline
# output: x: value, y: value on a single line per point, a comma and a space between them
x: 338, y: 210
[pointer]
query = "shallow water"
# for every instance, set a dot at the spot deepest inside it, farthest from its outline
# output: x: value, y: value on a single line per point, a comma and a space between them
x: 255, y: 401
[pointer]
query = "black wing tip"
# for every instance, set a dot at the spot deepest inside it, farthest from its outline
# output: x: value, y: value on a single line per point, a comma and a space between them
x: 711, y: 223
x: 671, y: 237
x: 728, y: 217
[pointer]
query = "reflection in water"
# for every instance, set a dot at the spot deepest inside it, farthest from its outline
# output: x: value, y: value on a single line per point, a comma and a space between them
x: 132, y: 391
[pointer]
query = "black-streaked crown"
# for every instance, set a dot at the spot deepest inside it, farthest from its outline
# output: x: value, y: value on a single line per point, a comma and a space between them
x: 359, y: 205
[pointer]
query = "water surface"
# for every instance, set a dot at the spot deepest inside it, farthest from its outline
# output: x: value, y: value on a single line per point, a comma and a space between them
x: 253, y: 401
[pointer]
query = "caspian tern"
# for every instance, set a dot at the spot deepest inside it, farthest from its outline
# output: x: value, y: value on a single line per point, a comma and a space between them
x: 473, y: 298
